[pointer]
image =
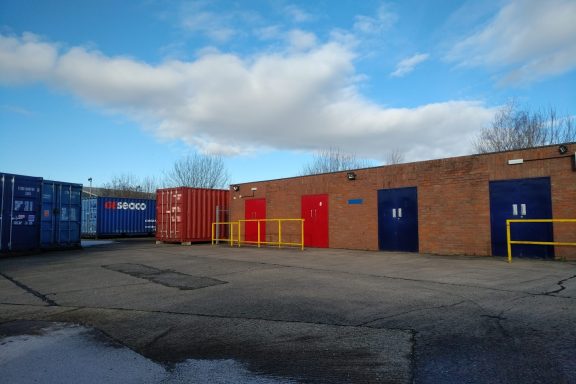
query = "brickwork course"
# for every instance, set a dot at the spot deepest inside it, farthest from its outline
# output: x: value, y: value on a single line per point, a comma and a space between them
x: 453, y: 199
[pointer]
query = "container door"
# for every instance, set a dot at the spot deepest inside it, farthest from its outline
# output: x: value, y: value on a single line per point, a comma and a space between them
x: 254, y: 209
x: 69, y: 209
x: 170, y: 208
x: 315, y: 215
x: 21, y: 203
x: 48, y: 222
x: 6, y: 193
x: 89, y: 216
x: 521, y: 199
x: 398, y: 219
x: 163, y: 214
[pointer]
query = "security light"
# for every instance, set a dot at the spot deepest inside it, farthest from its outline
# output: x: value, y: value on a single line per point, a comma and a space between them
x: 351, y: 176
x: 236, y: 188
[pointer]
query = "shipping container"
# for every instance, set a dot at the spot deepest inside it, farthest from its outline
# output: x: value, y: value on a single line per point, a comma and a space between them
x: 118, y: 217
x: 185, y: 215
x: 61, y: 210
x: 20, y: 212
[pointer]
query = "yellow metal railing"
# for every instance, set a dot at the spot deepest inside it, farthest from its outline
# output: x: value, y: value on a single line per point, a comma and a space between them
x: 230, y: 225
x: 278, y: 243
x: 259, y: 241
x: 509, y: 241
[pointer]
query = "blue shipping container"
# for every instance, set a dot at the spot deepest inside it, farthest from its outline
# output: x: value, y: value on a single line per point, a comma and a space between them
x: 61, y: 208
x: 20, y: 212
x: 117, y: 216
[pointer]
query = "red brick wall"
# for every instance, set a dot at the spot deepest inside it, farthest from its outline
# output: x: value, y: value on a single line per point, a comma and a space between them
x: 453, y: 199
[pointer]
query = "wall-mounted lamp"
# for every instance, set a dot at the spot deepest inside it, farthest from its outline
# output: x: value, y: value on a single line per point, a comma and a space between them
x: 236, y: 188
x: 562, y: 149
x: 515, y: 161
x: 351, y: 176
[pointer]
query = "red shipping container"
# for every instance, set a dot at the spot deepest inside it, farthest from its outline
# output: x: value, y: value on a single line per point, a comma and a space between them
x: 185, y: 215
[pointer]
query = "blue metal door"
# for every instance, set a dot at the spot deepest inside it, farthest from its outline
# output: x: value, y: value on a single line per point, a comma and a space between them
x: 398, y: 219
x: 20, y: 199
x: 61, y: 208
x: 521, y: 199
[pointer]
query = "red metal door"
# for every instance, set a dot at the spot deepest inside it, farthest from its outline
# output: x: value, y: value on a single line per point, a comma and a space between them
x: 254, y: 209
x: 315, y: 215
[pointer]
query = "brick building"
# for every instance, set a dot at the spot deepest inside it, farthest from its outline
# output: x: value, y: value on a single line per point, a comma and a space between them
x: 449, y: 206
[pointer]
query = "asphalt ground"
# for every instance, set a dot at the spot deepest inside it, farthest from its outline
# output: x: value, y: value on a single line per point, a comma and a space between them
x: 207, y: 313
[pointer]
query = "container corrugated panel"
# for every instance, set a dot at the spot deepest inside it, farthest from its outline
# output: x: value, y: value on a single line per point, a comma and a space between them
x: 116, y: 216
x: 61, y: 212
x: 185, y: 215
x: 20, y: 212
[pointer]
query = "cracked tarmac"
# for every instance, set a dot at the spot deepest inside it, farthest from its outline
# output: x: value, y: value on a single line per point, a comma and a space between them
x: 318, y: 316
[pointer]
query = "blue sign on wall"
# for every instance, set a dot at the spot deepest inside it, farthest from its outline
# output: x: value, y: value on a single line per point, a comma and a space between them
x: 356, y: 201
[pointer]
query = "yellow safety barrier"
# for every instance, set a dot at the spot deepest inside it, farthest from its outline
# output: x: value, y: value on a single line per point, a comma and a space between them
x: 509, y: 242
x: 230, y: 225
x: 278, y: 243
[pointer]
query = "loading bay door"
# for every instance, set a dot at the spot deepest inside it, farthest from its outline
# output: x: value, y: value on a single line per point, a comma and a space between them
x: 254, y: 209
x: 521, y: 199
x: 398, y: 219
x: 315, y: 215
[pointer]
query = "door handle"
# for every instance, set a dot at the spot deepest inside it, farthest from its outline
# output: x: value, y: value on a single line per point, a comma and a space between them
x: 514, y: 209
x: 399, y: 212
x: 523, y: 209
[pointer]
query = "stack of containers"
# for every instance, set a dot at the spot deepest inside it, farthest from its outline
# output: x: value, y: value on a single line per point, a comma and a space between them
x: 185, y: 215
x: 118, y: 216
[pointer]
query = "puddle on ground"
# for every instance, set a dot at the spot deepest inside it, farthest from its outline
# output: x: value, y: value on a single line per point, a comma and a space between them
x: 63, y: 353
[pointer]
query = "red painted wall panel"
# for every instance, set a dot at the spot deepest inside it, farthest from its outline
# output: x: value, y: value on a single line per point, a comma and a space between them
x: 315, y: 215
x: 186, y: 214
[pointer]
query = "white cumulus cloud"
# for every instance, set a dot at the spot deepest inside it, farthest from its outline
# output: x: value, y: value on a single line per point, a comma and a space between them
x: 527, y: 40
x: 407, y: 65
x: 26, y: 59
x: 223, y: 103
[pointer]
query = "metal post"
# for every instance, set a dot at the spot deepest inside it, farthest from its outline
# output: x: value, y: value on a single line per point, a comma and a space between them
x: 239, y: 232
x: 279, y: 233
x: 217, y: 226
x: 258, y: 222
x: 302, y: 234
x: 231, y: 234
x: 508, y: 241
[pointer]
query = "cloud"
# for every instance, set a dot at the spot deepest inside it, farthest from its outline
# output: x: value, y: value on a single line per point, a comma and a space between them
x: 384, y: 20
x: 297, y: 14
x: 301, y: 40
x: 26, y: 59
x: 407, y: 65
x: 271, y: 32
x: 224, y: 103
x: 16, y: 110
x: 527, y: 40
x: 211, y: 24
